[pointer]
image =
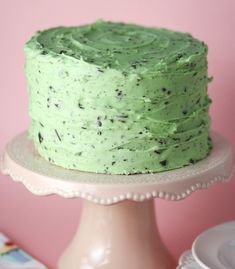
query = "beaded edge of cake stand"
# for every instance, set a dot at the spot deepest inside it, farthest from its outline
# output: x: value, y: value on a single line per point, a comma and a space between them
x: 138, y: 197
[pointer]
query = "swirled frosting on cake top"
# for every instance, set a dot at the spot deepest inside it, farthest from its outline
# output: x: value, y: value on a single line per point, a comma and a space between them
x: 126, y: 47
x: 118, y: 98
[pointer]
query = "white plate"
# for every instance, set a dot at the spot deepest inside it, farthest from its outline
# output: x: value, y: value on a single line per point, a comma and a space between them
x: 215, y: 248
x: 187, y: 261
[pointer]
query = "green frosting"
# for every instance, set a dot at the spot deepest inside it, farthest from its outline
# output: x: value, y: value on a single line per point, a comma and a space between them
x: 118, y: 98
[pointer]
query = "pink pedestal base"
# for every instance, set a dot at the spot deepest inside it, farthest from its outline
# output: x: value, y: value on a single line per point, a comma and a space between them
x: 120, y: 236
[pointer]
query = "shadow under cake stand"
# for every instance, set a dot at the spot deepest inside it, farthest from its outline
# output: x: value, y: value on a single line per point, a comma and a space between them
x: 118, y: 226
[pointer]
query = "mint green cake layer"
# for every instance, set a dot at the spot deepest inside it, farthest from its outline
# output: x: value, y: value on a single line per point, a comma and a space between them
x: 118, y: 98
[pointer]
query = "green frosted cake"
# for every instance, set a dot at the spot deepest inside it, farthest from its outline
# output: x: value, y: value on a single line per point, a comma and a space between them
x: 118, y: 98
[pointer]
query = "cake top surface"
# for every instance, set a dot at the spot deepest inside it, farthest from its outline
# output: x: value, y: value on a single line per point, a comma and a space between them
x: 121, y: 46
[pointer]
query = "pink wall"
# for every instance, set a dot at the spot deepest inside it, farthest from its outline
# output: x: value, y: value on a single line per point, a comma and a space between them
x: 44, y: 226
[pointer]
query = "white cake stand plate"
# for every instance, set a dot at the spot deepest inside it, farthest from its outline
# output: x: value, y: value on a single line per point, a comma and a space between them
x: 124, y: 234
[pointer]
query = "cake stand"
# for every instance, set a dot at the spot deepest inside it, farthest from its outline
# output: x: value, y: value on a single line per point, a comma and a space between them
x: 118, y: 226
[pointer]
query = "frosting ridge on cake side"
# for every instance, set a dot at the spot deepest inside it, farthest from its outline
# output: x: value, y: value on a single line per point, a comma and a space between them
x: 118, y: 98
